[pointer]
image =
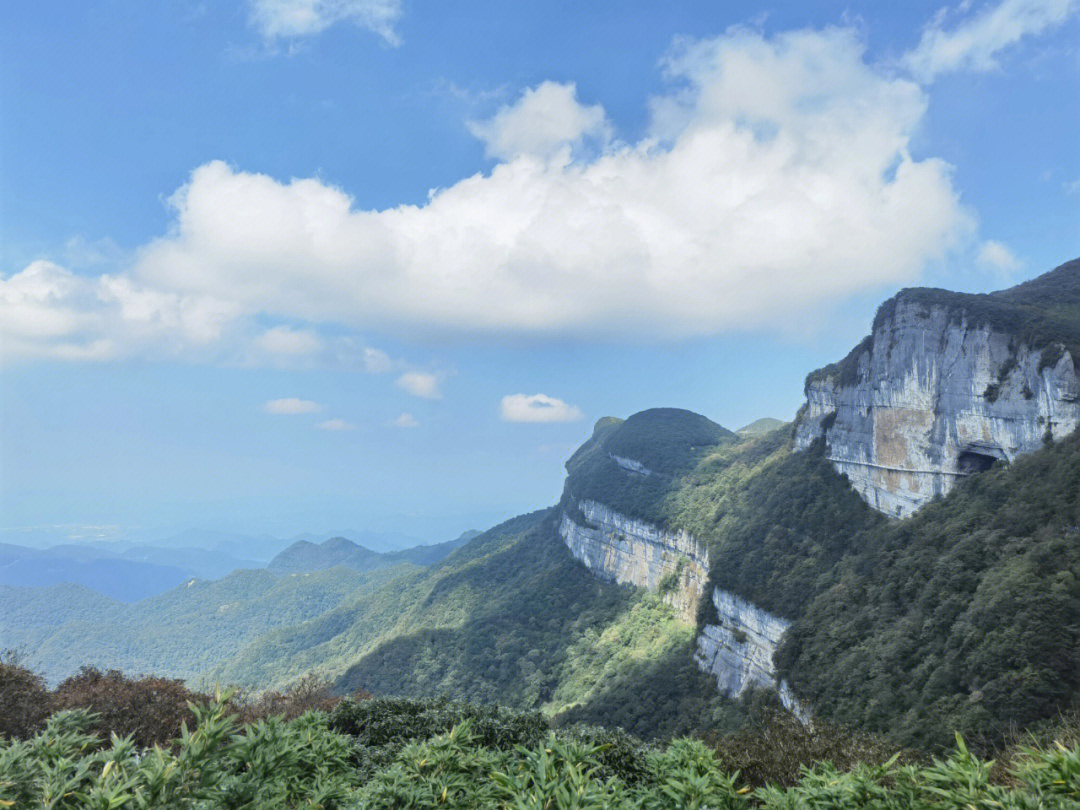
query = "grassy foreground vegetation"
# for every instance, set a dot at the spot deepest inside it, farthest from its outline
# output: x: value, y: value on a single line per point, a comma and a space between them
x: 386, y: 753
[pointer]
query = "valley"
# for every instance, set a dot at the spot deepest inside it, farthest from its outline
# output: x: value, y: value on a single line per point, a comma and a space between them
x: 689, y: 573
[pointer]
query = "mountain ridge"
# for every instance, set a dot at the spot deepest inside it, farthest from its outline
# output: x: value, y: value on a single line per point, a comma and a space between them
x: 961, y: 617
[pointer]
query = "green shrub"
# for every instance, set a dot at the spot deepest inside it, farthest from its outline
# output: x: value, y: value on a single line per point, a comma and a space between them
x: 304, y: 763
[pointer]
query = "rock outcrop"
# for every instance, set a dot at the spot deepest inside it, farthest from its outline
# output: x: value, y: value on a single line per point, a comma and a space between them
x: 933, y: 396
x: 620, y: 549
x: 739, y: 650
x: 630, y: 465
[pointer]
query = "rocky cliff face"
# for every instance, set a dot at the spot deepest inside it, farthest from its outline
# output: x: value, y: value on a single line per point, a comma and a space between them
x: 739, y: 650
x: 620, y: 549
x: 931, y: 397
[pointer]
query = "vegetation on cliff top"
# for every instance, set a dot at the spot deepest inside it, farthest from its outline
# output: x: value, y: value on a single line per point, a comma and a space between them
x: 1042, y: 314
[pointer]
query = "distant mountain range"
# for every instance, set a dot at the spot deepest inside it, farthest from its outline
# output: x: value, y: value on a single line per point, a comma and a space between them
x: 127, y: 576
x: 130, y: 574
x: 307, y: 556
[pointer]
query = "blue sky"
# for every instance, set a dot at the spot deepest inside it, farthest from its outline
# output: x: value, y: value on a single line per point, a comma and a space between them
x: 303, y: 265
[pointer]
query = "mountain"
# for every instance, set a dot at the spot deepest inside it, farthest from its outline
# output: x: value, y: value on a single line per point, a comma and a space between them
x: 304, y: 555
x: 124, y: 579
x: 200, y: 562
x: 261, y: 548
x: 946, y: 385
x: 759, y: 426
x: 131, y: 575
x: 688, y: 572
x: 509, y: 618
x: 182, y: 633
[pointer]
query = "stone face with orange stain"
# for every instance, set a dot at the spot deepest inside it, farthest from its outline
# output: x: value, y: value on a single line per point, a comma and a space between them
x: 621, y: 549
x: 934, y: 399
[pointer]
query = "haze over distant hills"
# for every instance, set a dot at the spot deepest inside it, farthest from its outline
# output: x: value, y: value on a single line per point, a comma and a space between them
x: 131, y: 572
x: 304, y: 555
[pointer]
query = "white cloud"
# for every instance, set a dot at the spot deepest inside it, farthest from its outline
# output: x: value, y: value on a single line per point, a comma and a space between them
x: 291, y: 406
x: 283, y: 340
x: 537, y: 408
x: 976, y: 41
x: 776, y: 179
x: 46, y: 311
x: 405, y: 420
x: 998, y: 256
x: 545, y: 120
x: 289, y: 19
x: 335, y: 424
x: 420, y: 384
x: 376, y: 361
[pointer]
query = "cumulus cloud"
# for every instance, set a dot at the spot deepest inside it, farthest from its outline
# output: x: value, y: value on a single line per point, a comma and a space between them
x: 405, y: 420
x: 291, y: 406
x: 997, y: 256
x: 420, y: 384
x: 48, y: 312
x: 787, y: 182
x: 335, y: 424
x: 776, y: 176
x: 545, y: 120
x: 289, y: 19
x: 976, y: 41
x: 537, y: 408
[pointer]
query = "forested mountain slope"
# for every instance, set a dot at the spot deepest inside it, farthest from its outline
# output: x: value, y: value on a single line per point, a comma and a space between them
x: 181, y: 633
x: 966, y: 616
x: 509, y: 618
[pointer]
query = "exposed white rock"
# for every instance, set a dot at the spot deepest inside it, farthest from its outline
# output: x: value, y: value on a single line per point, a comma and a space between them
x: 621, y: 549
x: 739, y: 651
x: 917, y: 417
x: 630, y: 464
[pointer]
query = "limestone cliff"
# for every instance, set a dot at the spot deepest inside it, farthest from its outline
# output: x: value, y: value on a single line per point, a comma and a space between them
x: 946, y: 385
x: 739, y: 650
x: 619, y: 549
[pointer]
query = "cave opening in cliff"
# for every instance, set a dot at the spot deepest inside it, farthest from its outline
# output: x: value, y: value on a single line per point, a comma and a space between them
x: 972, y: 461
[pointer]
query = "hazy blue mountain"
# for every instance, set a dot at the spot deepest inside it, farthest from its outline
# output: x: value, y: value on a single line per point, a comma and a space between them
x: 305, y: 555
x: 204, y: 563
x: 261, y: 548
x: 123, y: 579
